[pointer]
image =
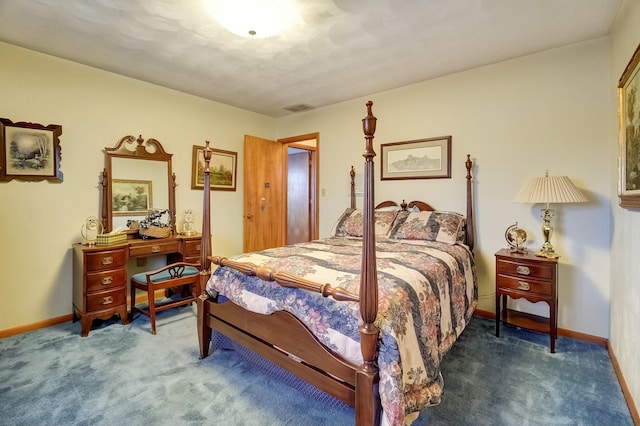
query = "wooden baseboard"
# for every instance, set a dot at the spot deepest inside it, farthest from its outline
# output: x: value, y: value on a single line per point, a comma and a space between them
x: 35, y: 326
x: 623, y: 385
x: 600, y: 341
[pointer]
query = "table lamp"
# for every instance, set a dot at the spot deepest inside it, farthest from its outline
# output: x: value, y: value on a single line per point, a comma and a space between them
x: 549, y: 190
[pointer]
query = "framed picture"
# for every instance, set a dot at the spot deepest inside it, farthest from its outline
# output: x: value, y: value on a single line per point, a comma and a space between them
x: 418, y: 159
x: 131, y: 197
x: 222, y: 169
x: 29, y: 151
x: 629, y: 135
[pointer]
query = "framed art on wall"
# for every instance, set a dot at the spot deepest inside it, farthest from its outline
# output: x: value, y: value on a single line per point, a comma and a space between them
x: 629, y: 134
x: 222, y: 169
x: 29, y: 151
x: 417, y: 159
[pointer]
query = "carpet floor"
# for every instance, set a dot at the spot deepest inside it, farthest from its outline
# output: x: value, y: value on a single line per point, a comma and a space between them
x: 125, y: 375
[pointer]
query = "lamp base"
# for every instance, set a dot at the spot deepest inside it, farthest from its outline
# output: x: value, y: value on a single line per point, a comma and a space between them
x: 548, y: 255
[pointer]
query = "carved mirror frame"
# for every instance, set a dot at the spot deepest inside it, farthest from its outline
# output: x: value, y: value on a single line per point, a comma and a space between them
x: 128, y: 151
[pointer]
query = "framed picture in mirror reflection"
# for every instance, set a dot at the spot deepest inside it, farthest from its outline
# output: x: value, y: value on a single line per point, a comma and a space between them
x: 131, y: 197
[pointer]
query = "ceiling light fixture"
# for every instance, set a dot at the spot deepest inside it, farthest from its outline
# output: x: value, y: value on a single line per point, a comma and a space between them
x: 253, y: 18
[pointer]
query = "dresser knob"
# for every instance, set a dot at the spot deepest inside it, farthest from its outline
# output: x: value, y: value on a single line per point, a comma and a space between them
x: 523, y: 270
x: 107, y: 300
x: 155, y: 249
x: 523, y: 286
x: 107, y: 260
x: 107, y: 280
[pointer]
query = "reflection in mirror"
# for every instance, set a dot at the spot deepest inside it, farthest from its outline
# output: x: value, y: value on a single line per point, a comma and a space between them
x: 137, y: 179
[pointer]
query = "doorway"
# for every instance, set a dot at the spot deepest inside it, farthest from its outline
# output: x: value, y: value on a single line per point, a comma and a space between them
x: 301, y: 179
x: 269, y: 215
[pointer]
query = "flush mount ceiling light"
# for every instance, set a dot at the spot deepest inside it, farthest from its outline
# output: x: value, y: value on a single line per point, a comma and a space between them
x: 253, y: 18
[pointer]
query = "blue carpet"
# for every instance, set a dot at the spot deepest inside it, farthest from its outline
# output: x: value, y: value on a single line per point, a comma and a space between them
x: 124, y: 375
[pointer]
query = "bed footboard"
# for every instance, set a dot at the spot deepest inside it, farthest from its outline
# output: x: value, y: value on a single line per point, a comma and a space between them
x: 297, y: 350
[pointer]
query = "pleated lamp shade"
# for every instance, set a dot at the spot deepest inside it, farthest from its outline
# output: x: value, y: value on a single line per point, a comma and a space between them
x: 549, y: 190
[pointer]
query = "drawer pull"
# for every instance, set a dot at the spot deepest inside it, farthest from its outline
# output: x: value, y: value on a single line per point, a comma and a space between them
x: 523, y: 270
x: 523, y: 286
x: 198, y: 247
x: 107, y: 280
x: 107, y: 260
x: 107, y: 300
x: 156, y: 249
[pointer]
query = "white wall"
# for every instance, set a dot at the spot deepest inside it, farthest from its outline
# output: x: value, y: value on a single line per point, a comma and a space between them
x: 39, y: 221
x: 517, y: 119
x: 625, y: 268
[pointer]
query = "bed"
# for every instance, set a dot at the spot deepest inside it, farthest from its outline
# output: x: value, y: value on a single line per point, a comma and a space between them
x: 365, y: 315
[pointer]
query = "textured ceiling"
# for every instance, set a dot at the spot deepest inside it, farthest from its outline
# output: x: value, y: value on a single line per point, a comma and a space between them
x: 340, y: 50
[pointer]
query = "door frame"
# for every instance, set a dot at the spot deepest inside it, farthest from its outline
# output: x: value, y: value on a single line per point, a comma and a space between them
x: 314, y: 207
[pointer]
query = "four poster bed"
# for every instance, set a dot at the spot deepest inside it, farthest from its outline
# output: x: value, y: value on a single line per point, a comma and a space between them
x: 364, y: 315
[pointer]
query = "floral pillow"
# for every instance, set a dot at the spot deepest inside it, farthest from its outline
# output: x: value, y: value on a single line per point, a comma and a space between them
x: 350, y: 224
x: 444, y: 227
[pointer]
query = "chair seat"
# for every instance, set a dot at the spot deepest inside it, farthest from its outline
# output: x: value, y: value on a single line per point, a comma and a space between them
x: 179, y: 278
x: 141, y: 278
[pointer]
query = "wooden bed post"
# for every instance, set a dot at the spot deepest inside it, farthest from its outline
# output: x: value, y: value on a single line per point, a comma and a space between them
x: 367, y: 394
x: 470, y: 234
x: 352, y: 174
x: 205, y: 253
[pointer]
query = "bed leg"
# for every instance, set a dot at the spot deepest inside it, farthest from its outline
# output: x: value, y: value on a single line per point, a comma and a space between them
x: 204, y: 331
x: 368, y: 408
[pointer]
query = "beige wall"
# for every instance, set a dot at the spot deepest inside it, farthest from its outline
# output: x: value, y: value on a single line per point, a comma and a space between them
x: 39, y: 221
x: 625, y: 228
x: 517, y: 119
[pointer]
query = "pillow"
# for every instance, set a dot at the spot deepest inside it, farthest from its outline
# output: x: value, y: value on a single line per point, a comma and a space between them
x: 350, y: 223
x: 445, y: 227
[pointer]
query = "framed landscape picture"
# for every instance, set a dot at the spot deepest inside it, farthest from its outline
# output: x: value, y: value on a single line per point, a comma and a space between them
x: 131, y: 197
x: 29, y: 151
x: 629, y: 134
x: 222, y: 169
x: 417, y: 159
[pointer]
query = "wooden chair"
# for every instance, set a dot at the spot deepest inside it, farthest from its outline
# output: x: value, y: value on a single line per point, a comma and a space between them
x: 181, y: 277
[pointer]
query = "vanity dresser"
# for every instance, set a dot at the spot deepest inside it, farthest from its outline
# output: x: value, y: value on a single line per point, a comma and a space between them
x: 100, y: 272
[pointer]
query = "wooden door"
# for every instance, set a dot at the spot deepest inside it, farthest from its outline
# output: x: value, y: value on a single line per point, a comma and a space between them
x: 264, y: 202
x: 298, y: 197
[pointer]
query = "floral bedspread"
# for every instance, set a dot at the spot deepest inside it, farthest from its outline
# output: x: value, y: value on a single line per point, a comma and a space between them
x: 427, y: 294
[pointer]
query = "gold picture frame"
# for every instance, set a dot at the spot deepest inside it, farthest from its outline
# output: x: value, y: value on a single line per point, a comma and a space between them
x: 223, y: 169
x: 629, y: 133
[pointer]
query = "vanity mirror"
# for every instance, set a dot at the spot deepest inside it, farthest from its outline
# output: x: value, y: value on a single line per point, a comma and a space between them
x: 137, y: 178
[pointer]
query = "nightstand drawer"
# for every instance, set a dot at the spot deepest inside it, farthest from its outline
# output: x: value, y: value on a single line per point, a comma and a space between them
x: 108, y: 259
x: 525, y: 269
x: 104, y: 280
x: 524, y: 285
x: 106, y: 300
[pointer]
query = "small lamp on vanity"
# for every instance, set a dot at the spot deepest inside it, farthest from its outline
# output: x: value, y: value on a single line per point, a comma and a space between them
x: 549, y: 190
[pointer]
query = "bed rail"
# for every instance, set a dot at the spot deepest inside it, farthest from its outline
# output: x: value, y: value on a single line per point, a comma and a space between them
x: 286, y: 279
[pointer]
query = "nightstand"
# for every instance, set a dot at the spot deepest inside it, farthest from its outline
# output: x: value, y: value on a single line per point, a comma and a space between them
x: 524, y: 275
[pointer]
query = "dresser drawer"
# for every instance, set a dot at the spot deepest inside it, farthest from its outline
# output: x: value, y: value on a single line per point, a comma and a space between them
x: 525, y: 285
x: 192, y: 248
x: 523, y: 269
x: 106, y: 300
x: 156, y: 247
x: 104, y: 280
x: 107, y: 259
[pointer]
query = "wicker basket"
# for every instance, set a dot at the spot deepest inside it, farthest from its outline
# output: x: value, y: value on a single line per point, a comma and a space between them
x: 155, y: 231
